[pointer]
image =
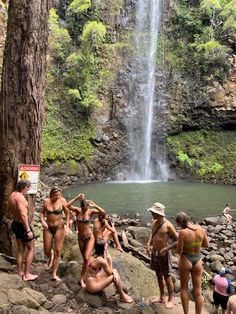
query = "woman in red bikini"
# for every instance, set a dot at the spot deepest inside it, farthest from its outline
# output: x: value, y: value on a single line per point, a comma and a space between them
x: 54, y: 230
x: 85, y: 235
x: 100, y: 273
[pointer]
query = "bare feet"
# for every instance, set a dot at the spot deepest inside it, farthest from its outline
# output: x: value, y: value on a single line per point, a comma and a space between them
x: 126, y: 298
x: 158, y: 300
x: 120, y: 249
x: 169, y: 304
x: 21, y: 273
x: 56, y: 278
x: 29, y: 277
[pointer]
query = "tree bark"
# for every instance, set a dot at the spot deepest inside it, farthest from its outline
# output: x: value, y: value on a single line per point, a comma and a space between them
x: 22, y: 97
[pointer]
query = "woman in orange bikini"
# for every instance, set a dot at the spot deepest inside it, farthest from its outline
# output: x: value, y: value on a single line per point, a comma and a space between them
x: 53, y: 228
x: 104, y: 228
x: 100, y: 273
x: 191, y: 238
x: 85, y: 235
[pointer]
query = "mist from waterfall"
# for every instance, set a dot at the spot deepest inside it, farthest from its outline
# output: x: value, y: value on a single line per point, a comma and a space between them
x: 142, y: 91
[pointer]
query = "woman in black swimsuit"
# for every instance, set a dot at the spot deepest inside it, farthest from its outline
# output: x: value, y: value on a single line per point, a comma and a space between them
x: 100, y: 273
x: 53, y: 228
x: 85, y: 235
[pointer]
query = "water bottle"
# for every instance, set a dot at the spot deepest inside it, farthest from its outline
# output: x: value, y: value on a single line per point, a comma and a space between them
x: 142, y: 304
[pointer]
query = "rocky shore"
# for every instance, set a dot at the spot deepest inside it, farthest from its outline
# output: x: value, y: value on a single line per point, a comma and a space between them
x: 46, y: 296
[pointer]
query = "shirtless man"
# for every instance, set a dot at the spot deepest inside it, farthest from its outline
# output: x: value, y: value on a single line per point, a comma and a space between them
x: 162, y: 230
x: 18, y: 206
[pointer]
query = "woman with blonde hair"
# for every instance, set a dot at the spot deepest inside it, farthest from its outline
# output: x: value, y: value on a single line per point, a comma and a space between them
x: 191, y: 238
x: 54, y: 230
x: 85, y: 235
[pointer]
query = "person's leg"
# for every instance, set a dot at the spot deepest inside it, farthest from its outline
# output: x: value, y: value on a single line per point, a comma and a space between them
x: 160, y: 280
x: 215, y: 311
x: 196, y: 274
x: 20, y: 256
x: 184, y: 269
x: 58, y: 244
x: 28, y: 261
x: 94, y: 285
x: 82, y: 247
x: 88, y: 247
x: 47, y: 245
x: 170, y: 289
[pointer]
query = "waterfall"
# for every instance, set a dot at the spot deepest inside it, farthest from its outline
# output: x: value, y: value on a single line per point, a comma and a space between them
x: 141, y: 98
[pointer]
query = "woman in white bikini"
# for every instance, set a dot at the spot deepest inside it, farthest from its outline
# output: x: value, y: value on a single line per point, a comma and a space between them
x: 100, y: 273
x: 53, y: 228
x: 85, y: 235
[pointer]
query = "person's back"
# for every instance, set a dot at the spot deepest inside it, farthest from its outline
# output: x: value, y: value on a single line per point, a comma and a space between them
x: 193, y: 239
x: 231, y: 307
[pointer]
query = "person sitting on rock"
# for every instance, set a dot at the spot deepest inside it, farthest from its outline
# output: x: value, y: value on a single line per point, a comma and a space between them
x: 104, y: 228
x: 227, y: 213
x: 100, y: 273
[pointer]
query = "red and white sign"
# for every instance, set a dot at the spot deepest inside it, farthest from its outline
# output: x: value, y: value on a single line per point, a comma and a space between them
x: 31, y: 173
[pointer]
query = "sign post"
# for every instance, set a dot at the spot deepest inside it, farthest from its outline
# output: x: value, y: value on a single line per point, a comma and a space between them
x: 31, y: 173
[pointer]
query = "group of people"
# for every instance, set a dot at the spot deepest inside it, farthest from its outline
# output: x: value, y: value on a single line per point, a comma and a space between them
x: 97, y: 270
x: 188, y: 242
x: 92, y: 278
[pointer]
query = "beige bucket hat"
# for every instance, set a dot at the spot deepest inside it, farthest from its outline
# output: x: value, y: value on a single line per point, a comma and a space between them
x: 157, y: 208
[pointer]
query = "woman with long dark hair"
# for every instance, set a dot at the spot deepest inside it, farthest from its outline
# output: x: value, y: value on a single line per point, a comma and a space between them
x: 85, y: 234
x: 105, y: 229
x: 54, y: 230
x: 100, y: 273
x: 191, y: 238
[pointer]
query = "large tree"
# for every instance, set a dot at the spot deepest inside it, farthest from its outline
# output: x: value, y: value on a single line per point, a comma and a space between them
x: 22, y: 97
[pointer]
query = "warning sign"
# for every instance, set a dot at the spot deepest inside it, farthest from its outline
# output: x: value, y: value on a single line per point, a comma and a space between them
x: 31, y: 173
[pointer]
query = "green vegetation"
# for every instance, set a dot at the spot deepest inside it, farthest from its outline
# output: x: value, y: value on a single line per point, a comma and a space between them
x: 199, y: 38
x: 80, y: 73
x: 202, y: 154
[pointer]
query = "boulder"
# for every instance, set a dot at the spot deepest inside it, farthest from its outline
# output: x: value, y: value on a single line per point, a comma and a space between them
x: 214, y: 221
x: 10, y: 280
x: 141, y: 234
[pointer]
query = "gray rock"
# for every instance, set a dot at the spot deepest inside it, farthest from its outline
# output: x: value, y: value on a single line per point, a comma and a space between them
x: 214, y: 221
x: 17, y: 297
x: 59, y: 299
x: 141, y: 234
x: 216, y: 266
x: 135, y: 243
x: 95, y: 300
x: 216, y: 257
x: 5, y: 265
x: 3, y: 298
x: 20, y: 310
x: 35, y: 295
x: 10, y: 280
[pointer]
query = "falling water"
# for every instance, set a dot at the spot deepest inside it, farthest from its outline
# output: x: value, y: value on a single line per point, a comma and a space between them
x: 142, y: 90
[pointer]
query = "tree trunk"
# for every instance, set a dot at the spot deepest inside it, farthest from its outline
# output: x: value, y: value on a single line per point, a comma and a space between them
x: 22, y: 97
